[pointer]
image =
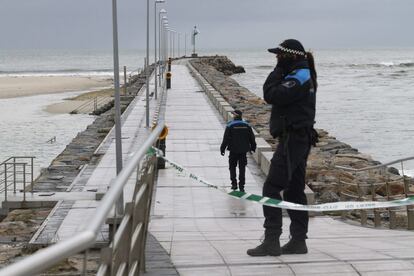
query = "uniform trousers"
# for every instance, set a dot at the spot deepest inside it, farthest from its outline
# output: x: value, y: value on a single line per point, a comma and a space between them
x: 241, y: 160
x: 287, y: 173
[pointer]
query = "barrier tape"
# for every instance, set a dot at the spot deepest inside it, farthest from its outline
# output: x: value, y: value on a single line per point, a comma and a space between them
x: 335, y: 206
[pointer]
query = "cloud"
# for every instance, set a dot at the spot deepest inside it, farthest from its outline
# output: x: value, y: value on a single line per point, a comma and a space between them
x: 224, y: 23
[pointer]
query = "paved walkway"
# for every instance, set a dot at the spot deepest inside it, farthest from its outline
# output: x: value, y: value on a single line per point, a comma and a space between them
x: 207, y: 232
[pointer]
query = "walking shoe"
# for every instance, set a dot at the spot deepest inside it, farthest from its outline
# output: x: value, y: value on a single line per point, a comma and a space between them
x: 295, y: 247
x: 234, y: 186
x: 241, y: 189
x: 267, y: 248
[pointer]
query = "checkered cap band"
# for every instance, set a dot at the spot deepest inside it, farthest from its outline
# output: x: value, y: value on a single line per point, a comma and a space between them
x: 291, y: 51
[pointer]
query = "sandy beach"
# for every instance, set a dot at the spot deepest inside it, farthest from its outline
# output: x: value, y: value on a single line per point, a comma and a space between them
x: 11, y: 87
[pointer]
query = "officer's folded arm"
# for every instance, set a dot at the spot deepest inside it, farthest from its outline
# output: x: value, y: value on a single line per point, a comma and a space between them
x: 283, y: 93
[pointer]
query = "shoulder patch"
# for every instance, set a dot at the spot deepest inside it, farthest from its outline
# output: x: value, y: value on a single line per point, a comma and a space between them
x: 302, y: 75
x: 289, y: 84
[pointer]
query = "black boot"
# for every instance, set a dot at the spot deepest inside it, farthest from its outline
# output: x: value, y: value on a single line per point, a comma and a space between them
x: 295, y: 247
x: 269, y: 247
x: 241, y: 187
x: 234, y: 186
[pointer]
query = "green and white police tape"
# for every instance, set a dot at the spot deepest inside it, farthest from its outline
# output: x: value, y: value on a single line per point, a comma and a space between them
x: 335, y: 206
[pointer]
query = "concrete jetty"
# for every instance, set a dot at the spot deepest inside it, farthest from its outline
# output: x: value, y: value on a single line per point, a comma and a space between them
x: 198, y: 230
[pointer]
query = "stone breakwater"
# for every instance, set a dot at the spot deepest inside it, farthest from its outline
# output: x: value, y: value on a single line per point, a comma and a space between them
x: 80, y: 151
x: 322, y: 175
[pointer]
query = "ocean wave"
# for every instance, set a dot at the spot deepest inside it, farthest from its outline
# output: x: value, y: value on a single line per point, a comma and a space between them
x: 389, y: 64
x: 264, y: 67
x: 61, y: 72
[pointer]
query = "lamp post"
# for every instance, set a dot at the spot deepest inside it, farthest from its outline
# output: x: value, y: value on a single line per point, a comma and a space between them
x: 166, y: 44
x: 178, y: 46
x: 118, y: 141
x: 155, y: 46
x: 173, y: 43
x: 160, y: 21
x: 170, y: 33
x: 147, y: 73
x: 185, y: 44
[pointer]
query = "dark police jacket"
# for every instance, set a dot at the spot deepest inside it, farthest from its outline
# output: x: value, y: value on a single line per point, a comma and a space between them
x: 293, y: 99
x: 238, y: 137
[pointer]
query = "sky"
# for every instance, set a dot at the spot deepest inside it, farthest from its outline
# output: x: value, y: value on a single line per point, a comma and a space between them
x: 87, y: 24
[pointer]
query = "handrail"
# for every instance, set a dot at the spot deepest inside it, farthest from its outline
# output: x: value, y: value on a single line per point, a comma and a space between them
x: 49, y: 256
x: 377, y: 166
x: 96, y: 100
x: 17, y: 157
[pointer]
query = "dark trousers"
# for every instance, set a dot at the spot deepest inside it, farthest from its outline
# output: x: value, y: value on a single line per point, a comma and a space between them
x: 291, y: 152
x: 241, y: 159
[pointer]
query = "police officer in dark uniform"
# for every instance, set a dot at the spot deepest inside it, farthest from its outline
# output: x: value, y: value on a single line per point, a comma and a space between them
x: 238, y: 139
x: 291, y: 90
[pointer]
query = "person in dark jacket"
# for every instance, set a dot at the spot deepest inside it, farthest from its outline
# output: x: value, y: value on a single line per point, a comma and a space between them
x: 238, y: 139
x: 291, y: 90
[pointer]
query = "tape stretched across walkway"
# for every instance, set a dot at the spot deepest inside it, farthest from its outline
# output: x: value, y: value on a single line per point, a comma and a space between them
x: 335, y: 206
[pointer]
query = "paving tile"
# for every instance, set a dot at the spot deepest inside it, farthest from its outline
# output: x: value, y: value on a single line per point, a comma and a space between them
x: 384, y: 265
x: 321, y: 268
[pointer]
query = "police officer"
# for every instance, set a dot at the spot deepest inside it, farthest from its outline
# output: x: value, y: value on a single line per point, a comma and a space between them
x: 238, y: 139
x: 291, y: 90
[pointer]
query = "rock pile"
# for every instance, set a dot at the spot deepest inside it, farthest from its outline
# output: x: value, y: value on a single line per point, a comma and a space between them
x: 222, y: 64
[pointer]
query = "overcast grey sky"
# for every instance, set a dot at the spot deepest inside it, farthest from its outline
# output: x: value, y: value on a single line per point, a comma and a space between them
x: 222, y: 23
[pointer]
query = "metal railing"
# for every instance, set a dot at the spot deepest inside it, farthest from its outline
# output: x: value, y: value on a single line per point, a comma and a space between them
x: 92, y: 105
x: 125, y: 253
x: 16, y: 173
x: 379, y: 180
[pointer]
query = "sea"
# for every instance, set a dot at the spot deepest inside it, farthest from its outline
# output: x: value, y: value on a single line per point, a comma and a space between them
x: 365, y: 96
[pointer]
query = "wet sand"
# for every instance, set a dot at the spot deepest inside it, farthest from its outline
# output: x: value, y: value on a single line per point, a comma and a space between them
x: 11, y: 87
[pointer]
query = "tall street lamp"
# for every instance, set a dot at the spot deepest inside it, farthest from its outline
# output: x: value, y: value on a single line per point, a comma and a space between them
x: 179, y: 37
x: 155, y: 45
x: 147, y: 73
x: 185, y: 44
x: 166, y: 44
x: 173, y: 43
x: 170, y: 33
x: 118, y: 143
x: 160, y: 20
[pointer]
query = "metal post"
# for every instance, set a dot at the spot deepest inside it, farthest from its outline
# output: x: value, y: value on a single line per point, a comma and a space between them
x: 118, y: 141
x: 125, y: 81
x: 14, y: 174
x: 31, y: 181
x: 85, y: 259
x: 147, y: 72
x: 173, y: 44
x: 179, y: 37
x: 159, y: 49
x: 5, y: 182
x: 410, y: 213
x: 155, y: 51
x: 24, y: 181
